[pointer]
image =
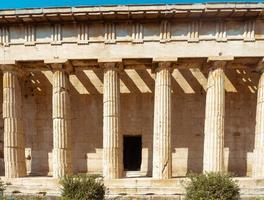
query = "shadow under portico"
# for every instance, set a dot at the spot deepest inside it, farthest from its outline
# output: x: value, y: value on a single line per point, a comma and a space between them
x: 137, y: 87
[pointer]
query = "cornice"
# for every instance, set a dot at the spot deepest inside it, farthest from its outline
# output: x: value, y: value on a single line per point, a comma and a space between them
x: 209, y: 10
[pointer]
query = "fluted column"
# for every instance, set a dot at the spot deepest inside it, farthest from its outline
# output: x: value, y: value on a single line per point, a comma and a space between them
x: 258, y: 155
x: 112, y: 141
x: 213, y: 160
x: 14, y: 136
x: 162, y: 123
x: 62, y: 163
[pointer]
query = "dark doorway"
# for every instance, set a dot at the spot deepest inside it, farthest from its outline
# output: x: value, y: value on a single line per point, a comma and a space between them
x: 132, y: 153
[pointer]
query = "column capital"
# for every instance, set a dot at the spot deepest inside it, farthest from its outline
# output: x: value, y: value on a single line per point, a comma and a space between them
x: 260, y: 66
x: 215, y: 62
x: 60, y: 65
x: 163, y: 65
x: 8, y: 65
x: 111, y: 65
x: 14, y: 68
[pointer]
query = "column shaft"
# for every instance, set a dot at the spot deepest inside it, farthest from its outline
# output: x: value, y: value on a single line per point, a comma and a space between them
x: 162, y: 125
x: 14, y: 137
x: 258, y: 156
x: 62, y: 163
x: 112, y: 142
x: 214, y: 122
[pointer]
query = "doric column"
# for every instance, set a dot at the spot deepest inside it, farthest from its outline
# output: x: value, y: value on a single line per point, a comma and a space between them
x: 162, y: 123
x: 258, y: 155
x: 213, y: 160
x: 112, y: 141
x: 62, y: 163
x: 14, y: 136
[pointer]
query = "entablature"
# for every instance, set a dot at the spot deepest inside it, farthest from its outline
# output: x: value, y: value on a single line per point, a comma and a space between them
x: 134, y: 32
x: 253, y: 63
x: 134, y: 24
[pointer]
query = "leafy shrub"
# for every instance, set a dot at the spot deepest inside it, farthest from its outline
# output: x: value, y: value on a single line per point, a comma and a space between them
x: 82, y: 187
x: 211, y: 186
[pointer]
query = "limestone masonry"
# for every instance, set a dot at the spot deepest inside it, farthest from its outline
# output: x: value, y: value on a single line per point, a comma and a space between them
x: 142, y: 94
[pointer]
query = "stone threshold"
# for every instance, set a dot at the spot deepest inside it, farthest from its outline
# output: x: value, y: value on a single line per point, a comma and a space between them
x: 128, y: 188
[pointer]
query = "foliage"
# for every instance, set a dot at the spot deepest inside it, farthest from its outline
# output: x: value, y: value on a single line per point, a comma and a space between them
x: 82, y: 187
x: 211, y: 186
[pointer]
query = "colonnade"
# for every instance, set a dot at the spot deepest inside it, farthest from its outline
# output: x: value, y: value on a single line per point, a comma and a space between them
x: 14, y: 137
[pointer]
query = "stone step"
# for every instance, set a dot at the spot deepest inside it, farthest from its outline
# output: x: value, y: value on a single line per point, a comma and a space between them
x: 33, y: 186
x: 128, y: 188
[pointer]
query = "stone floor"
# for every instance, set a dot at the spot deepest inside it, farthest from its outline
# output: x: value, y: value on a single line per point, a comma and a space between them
x: 128, y: 188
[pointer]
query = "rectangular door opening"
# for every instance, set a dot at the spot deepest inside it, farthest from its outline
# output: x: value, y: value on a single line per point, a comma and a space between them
x: 132, y: 153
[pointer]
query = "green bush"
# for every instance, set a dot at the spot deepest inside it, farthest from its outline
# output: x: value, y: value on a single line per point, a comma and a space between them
x: 82, y: 187
x: 211, y: 186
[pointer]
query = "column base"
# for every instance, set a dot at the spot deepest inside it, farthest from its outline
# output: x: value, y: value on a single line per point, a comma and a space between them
x: 258, y: 163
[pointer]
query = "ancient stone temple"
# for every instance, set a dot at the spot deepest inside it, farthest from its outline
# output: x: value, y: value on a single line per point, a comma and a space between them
x: 141, y: 94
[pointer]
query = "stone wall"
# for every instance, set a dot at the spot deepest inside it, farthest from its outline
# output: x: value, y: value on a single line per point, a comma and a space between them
x: 137, y: 103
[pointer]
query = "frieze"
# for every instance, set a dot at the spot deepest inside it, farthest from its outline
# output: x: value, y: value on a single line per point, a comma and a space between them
x: 132, y: 32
